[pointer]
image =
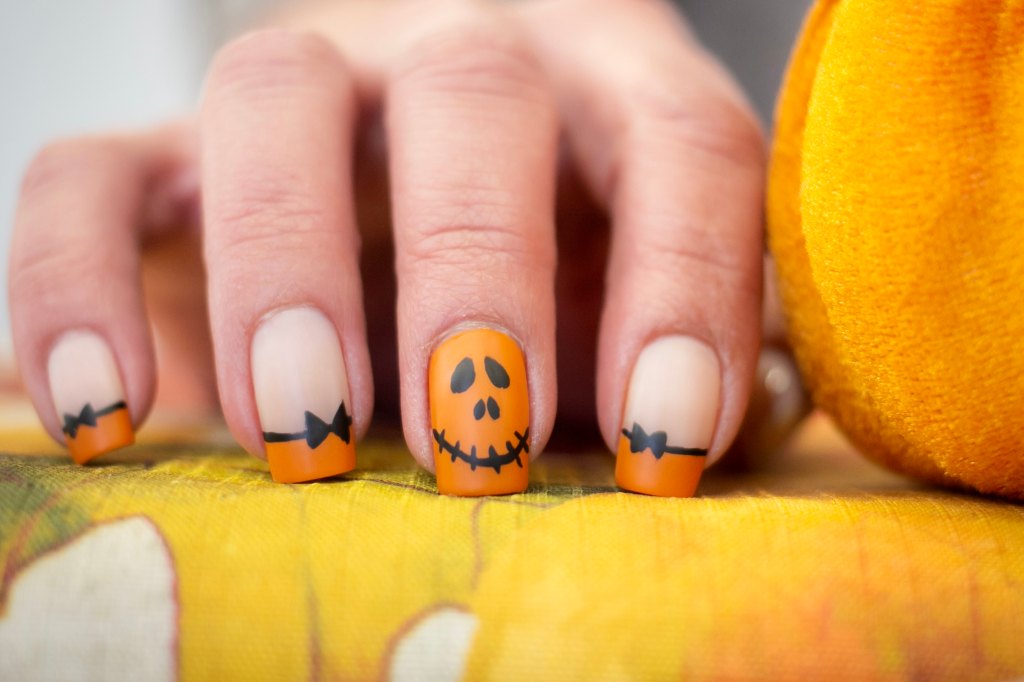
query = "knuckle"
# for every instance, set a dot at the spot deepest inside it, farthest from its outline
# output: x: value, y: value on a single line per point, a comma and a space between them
x: 471, y: 248
x: 683, y: 249
x: 271, y: 59
x: 262, y: 225
x: 716, y: 125
x: 42, y: 270
x: 64, y: 160
x: 475, y: 54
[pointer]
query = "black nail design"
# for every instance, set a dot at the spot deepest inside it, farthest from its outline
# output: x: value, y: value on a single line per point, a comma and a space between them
x: 657, y: 443
x: 463, y: 376
x: 496, y: 373
x: 317, y: 429
x: 88, y: 417
x: 493, y: 460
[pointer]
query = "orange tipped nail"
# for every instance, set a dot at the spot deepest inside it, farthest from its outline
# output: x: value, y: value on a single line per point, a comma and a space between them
x: 301, y: 391
x: 94, y: 432
x: 88, y: 395
x: 320, y: 451
x: 480, y: 414
x: 669, y: 418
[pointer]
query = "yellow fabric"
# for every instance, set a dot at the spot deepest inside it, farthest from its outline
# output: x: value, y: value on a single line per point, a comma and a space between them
x: 822, y: 564
x: 896, y: 212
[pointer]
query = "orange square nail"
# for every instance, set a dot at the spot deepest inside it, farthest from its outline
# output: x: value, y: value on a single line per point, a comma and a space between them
x: 480, y: 414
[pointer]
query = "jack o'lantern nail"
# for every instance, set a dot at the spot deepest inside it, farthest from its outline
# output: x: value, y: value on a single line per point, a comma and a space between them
x: 88, y: 396
x: 480, y: 414
x: 669, y: 418
x: 302, y: 397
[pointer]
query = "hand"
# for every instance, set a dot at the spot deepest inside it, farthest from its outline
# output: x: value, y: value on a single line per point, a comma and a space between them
x: 463, y: 108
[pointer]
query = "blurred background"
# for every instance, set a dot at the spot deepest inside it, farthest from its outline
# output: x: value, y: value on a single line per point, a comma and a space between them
x: 74, y: 66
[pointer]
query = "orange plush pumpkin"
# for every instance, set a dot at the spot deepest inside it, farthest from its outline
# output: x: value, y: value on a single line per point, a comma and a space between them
x: 896, y: 217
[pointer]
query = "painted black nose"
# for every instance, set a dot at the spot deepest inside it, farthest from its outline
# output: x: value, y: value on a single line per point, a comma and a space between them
x: 480, y: 409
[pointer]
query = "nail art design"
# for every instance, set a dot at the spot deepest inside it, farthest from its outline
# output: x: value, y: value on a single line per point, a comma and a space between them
x: 513, y: 453
x: 317, y: 430
x: 480, y: 414
x: 94, y: 432
x: 83, y: 374
x: 657, y: 443
x: 298, y: 369
x: 89, y: 417
x: 674, y: 391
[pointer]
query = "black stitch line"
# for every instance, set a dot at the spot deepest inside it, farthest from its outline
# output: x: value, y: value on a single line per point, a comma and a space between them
x: 493, y: 459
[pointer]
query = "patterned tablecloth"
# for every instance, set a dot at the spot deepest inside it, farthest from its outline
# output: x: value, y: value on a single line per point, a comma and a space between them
x: 181, y: 559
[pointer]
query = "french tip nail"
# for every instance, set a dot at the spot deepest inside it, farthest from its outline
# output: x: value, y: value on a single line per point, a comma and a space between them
x: 112, y: 431
x: 669, y: 418
x: 295, y: 462
x: 479, y: 451
x: 302, y: 397
x: 87, y: 393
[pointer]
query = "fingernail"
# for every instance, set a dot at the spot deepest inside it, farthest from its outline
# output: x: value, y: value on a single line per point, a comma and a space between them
x: 669, y: 418
x: 778, y: 404
x: 480, y: 414
x: 302, y: 396
x: 88, y: 395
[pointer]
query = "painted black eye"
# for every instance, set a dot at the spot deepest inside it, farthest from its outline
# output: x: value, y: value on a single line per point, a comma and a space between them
x: 496, y: 373
x: 463, y: 376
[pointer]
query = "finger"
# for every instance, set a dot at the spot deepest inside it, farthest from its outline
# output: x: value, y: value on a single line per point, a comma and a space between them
x: 281, y: 252
x: 473, y: 136
x: 663, y: 133
x: 77, y: 315
x: 779, y: 402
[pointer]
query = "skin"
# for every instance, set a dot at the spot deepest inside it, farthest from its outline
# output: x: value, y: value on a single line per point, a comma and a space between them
x: 454, y: 135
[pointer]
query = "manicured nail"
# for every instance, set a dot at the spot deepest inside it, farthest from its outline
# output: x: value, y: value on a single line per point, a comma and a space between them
x: 302, y: 396
x: 88, y: 395
x: 669, y: 419
x: 480, y: 414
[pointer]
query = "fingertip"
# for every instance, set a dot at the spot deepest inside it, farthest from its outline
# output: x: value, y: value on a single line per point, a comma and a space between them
x: 95, y: 413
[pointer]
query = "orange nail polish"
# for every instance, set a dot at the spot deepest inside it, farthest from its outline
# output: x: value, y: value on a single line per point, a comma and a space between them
x: 321, y: 450
x: 302, y: 394
x: 669, y: 418
x: 92, y: 433
x: 480, y: 414
x: 87, y: 393
x: 652, y: 472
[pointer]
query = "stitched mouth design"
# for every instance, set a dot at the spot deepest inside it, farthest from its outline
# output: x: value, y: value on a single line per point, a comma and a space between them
x: 494, y: 459
x: 657, y: 443
x: 88, y: 417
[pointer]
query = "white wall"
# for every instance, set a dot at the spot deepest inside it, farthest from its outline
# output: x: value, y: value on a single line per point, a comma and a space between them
x: 75, y: 66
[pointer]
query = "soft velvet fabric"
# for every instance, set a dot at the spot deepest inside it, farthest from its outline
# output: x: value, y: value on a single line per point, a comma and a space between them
x: 896, y: 218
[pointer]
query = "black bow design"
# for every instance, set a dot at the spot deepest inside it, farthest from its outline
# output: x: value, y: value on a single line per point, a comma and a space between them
x: 657, y: 443
x: 317, y: 429
x: 88, y: 417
